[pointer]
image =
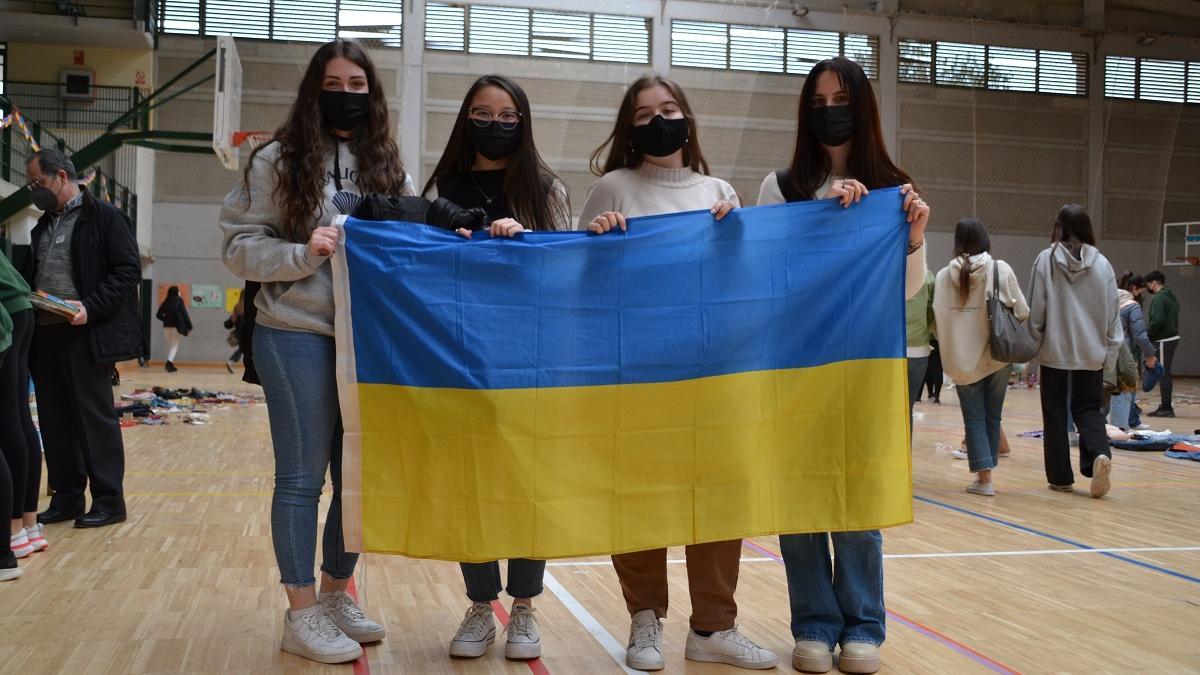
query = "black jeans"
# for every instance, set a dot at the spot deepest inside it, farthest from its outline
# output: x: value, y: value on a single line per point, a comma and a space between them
x: 483, y: 579
x: 1087, y: 394
x: 1166, y: 354
x: 18, y: 437
x: 80, y: 427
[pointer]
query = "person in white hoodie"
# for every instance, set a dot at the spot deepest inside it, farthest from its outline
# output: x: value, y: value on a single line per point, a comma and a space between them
x: 1074, y: 313
x: 960, y: 296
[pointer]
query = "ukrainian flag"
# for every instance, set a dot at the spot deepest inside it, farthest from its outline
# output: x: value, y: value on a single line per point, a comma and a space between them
x: 564, y: 394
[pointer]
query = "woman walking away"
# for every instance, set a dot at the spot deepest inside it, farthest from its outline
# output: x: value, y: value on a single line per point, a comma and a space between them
x: 1073, y: 311
x: 960, y: 298
x: 840, y: 154
x: 335, y: 145
x: 176, y: 324
x: 1133, y: 326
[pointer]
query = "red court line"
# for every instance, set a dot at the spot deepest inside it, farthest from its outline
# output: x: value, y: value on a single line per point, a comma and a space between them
x: 536, y: 666
x: 985, y: 661
x: 361, y: 666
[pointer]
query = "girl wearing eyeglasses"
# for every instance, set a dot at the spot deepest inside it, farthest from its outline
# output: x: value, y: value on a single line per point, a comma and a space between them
x: 491, y: 162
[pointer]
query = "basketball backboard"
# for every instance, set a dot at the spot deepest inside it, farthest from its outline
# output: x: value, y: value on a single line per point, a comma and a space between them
x: 1181, y: 244
x: 227, y: 103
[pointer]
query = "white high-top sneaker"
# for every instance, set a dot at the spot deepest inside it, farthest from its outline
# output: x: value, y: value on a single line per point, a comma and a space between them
x: 476, y: 632
x: 347, y: 616
x: 645, y: 642
x: 310, y: 633
x: 731, y: 647
x: 524, y: 643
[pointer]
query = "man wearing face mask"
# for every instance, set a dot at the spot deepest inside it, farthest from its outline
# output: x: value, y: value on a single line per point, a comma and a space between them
x: 84, y: 252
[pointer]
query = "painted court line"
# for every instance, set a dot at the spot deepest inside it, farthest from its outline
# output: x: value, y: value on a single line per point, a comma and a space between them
x: 361, y: 666
x: 981, y: 659
x: 536, y: 666
x: 1061, y: 540
x: 615, y: 649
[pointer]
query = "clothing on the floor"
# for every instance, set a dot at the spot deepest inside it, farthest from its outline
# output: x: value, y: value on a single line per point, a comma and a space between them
x: 712, y: 579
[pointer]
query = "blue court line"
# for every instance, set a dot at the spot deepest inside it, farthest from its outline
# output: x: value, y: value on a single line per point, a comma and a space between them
x: 1061, y: 540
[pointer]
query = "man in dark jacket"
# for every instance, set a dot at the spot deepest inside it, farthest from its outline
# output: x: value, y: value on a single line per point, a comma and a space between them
x: 83, y: 251
x: 1164, y: 333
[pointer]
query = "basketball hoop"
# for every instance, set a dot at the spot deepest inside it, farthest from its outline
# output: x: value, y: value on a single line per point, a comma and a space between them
x: 254, y: 138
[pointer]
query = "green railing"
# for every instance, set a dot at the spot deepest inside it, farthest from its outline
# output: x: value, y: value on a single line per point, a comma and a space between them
x: 54, y: 107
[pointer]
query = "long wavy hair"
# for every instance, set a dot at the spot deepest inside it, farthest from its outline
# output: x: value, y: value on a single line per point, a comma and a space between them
x: 869, y: 162
x: 304, y: 142
x: 528, y: 181
x: 622, y: 155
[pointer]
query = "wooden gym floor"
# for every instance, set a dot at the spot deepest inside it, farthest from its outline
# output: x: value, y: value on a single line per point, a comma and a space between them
x: 1029, y: 581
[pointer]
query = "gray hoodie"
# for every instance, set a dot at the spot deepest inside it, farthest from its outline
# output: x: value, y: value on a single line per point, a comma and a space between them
x: 1073, y: 308
x: 297, y: 290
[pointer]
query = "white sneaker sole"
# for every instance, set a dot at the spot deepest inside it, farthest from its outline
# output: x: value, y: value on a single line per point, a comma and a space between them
x: 1100, y: 471
x: 334, y: 657
x: 523, y: 651
x: 472, y: 650
x: 710, y: 657
x: 849, y: 664
x: 644, y: 664
x: 367, y: 638
x: 10, y: 573
x: 23, y: 552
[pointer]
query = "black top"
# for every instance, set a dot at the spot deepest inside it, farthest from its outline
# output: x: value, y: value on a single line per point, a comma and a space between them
x: 471, y: 189
x: 173, y: 314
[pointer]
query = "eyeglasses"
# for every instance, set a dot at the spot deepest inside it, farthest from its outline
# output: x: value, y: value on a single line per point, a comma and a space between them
x: 39, y: 182
x: 508, y: 120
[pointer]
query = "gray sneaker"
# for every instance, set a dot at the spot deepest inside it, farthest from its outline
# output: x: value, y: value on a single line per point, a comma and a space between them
x: 524, y: 643
x: 347, y: 616
x: 476, y: 632
x: 310, y: 633
x: 985, y: 489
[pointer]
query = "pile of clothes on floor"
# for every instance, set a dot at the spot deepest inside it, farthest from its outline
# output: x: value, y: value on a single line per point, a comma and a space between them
x: 1179, y: 446
x: 161, y: 405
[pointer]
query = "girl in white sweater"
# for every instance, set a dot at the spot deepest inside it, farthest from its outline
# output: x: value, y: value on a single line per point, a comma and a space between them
x: 960, y: 296
x: 840, y: 155
x: 654, y: 165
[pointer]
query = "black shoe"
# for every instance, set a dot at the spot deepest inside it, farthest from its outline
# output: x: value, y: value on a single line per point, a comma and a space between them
x: 1162, y: 412
x: 171, y: 367
x: 116, y: 378
x: 57, y: 514
x: 99, y: 519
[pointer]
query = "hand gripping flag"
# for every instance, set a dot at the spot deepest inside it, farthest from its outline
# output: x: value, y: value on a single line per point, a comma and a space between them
x: 565, y: 394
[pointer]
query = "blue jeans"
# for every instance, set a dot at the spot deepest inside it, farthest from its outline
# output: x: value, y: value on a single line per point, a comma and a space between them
x: 1120, y: 410
x: 981, y: 403
x: 483, y: 579
x: 297, y: 373
x: 840, y: 602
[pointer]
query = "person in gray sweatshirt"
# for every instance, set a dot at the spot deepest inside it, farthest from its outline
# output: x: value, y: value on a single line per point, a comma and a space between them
x: 1073, y: 312
x: 335, y: 145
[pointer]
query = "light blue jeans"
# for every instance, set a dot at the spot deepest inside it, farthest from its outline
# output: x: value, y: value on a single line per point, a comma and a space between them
x: 1119, y: 407
x: 981, y: 403
x: 840, y: 601
x: 297, y: 373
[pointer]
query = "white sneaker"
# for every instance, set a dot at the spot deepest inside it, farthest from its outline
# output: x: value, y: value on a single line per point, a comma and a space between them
x: 731, y: 647
x: 524, y: 643
x: 10, y: 573
x: 986, y: 489
x: 859, y: 657
x: 812, y: 656
x: 37, y: 536
x: 1101, y: 468
x: 347, y: 616
x: 19, y: 543
x: 310, y: 633
x: 645, y: 642
x: 959, y: 454
x: 476, y: 632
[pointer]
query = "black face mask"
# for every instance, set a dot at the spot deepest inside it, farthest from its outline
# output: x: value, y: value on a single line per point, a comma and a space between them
x: 833, y: 125
x: 344, y: 110
x: 661, y: 137
x: 493, y: 141
x: 44, y: 198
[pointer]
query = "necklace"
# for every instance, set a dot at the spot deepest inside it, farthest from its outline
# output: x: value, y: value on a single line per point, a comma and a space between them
x: 487, y: 199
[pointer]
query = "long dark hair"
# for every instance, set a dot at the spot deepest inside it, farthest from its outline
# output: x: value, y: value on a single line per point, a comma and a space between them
x: 304, y: 140
x: 528, y: 181
x: 621, y: 154
x: 869, y: 162
x: 1073, y: 224
x: 970, y: 238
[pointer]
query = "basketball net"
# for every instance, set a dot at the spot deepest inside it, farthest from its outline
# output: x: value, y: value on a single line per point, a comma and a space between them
x: 254, y: 138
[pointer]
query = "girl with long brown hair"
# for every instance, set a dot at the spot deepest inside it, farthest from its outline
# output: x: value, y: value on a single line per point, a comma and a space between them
x: 654, y: 165
x: 335, y: 146
x: 840, y: 155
